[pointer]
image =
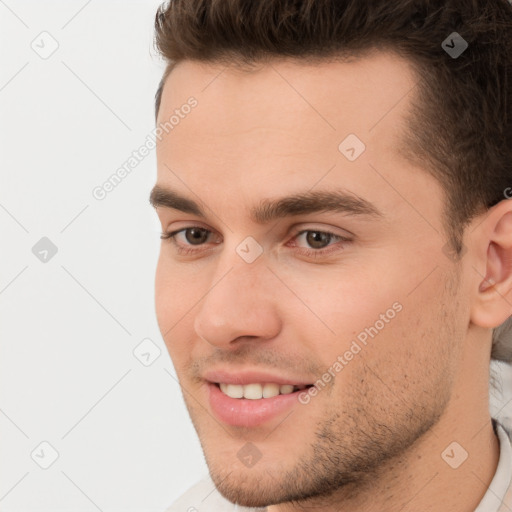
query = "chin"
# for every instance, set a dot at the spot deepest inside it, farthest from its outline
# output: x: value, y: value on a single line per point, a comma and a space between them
x: 249, y: 488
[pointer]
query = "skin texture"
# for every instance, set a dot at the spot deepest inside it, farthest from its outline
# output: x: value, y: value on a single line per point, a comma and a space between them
x: 373, y: 438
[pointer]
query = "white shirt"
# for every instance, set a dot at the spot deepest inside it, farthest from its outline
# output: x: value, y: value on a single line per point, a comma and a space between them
x: 204, y: 497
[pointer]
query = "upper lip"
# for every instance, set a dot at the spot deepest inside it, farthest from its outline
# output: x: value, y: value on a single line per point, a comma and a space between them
x: 251, y: 377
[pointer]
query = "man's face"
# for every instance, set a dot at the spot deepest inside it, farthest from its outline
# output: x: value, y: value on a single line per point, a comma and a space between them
x: 358, y: 297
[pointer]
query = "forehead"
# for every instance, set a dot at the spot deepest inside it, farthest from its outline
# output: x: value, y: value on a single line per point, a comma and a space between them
x: 356, y: 85
x: 282, y: 124
x: 293, y: 102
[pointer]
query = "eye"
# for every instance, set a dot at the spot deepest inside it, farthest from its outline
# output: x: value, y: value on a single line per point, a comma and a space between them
x: 197, y: 236
x: 319, y: 240
x: 316, y: 239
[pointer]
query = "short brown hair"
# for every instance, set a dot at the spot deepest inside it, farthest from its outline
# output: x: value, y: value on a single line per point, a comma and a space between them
x: 460, y: 123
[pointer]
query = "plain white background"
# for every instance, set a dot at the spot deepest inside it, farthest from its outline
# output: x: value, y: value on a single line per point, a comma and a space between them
x: 68, y: 326
x: 77, y: 85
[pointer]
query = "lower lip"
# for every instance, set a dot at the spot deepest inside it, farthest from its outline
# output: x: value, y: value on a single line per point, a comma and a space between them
x: 243, y: 412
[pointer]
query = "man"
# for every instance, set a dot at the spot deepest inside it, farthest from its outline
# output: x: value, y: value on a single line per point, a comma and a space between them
x: 337, y: 249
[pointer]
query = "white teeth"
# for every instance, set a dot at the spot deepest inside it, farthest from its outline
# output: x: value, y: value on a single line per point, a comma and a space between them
x: 256, y: 391
x: 270, y: 390
x: 234, y: 390
x: 253, y: 391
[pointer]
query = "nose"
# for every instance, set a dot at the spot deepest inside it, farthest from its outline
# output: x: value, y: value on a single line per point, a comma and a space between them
x: 239, y: 305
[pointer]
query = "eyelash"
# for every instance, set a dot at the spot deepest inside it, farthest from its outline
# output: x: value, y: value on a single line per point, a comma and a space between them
x: 306, y: 252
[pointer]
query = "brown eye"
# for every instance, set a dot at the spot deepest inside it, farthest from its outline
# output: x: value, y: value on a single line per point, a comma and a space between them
x: 318, y: 239
x: 197, y: 235
x: 317, y: 243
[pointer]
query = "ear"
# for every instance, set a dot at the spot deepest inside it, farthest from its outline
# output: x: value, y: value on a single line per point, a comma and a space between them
x: 492, y: 303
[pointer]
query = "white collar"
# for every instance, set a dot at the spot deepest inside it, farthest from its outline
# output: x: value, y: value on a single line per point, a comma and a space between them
x: 502, y: 479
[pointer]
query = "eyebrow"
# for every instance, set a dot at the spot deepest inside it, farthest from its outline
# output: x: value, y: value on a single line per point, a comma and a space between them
x: 302, y: 203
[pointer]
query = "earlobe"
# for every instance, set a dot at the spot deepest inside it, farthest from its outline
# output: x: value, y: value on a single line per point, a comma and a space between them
x: 493, y: 304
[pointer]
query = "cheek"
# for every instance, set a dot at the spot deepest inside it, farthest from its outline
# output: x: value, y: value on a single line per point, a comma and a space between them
x: 420, y: 342
x: 376, y: 316
x: 175, y: 288
x: 164, y: 293
x: 171, y: 300
x: 339, y: 306
x: 178, y: 291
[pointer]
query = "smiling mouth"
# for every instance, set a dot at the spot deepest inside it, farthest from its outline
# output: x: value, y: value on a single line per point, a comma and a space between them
x: 257, y: 391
